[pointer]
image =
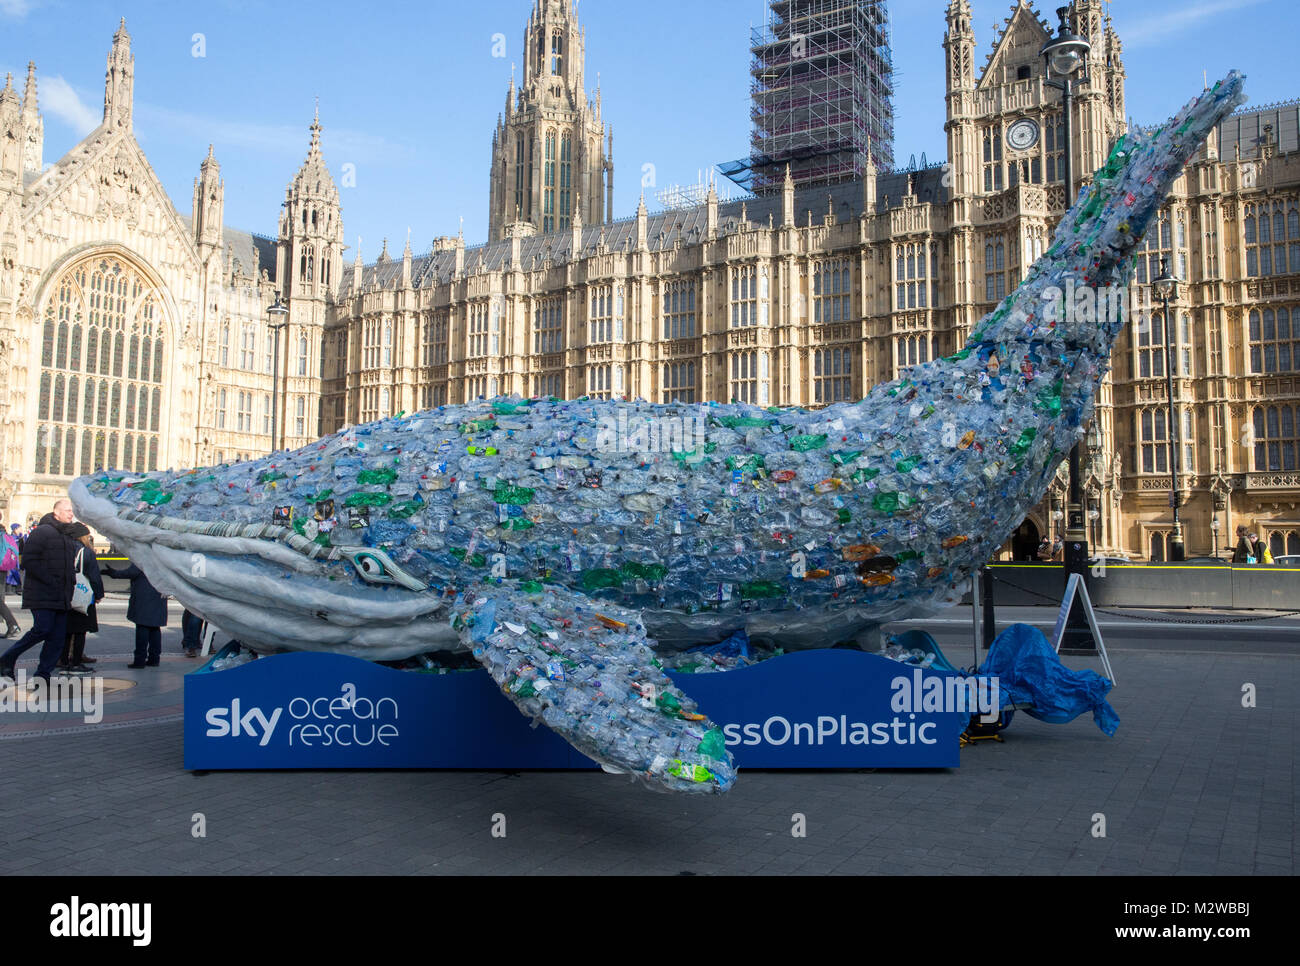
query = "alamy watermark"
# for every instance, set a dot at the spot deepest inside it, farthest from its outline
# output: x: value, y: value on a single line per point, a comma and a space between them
x: 631, y: 432
x: 79, y: 695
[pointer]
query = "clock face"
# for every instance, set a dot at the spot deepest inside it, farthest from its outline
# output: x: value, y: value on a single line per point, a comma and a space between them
x: 1022, y: 135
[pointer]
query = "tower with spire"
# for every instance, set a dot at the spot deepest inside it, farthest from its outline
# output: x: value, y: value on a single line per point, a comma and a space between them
x: 551, y: 150
x: 309, y: 261
x: 309, y: 269
x: 959, y: 63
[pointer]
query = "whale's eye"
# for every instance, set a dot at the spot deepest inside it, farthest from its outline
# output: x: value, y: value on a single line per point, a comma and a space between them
x: 376, y: 567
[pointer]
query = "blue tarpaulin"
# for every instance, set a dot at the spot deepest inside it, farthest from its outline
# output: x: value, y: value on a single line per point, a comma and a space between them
x: 1031, y: 677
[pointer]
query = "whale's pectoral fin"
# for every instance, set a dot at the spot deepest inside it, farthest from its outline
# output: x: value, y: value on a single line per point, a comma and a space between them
x: 583, y: 668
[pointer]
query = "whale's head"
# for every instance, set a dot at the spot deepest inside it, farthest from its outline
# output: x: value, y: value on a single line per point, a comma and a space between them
x: 271, y: 584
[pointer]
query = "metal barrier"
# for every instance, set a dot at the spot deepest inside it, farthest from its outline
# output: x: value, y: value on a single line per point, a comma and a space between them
x: 1166, y: 585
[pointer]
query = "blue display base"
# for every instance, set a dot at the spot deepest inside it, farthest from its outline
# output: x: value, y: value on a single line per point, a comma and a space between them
x: 812, y: 709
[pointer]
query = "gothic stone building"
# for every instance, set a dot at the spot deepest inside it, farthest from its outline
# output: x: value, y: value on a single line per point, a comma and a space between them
x: 798, y: 298
x: 135, y: 337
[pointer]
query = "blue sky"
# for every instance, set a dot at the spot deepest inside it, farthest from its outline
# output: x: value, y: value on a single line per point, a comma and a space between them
x: 409, y: 93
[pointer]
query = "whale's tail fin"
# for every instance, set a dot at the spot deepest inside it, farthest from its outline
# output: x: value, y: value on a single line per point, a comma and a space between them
x: 1128, y: 190
x: 583, y: 668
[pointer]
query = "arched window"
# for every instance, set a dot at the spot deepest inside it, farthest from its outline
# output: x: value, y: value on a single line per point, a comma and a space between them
x: 1276, y: 437
x: 301, y: 416
x: 302, y: 355
x: 225, y: 345
x: 1151, y: 347
x: 87, y: 453
x: 566, y: 181
x: 1274, y: 340
x: 548, y: 184
x: 520, y: 210
x: 557, y: 54
x: 1152, y: 450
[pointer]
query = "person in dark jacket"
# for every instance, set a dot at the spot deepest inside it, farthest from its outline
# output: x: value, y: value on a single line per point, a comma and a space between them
x: 9, y: 553
x: 1258, y: 547
x: 49, y: 562
x: 147, y: 611
x: 79, y: 624
x: 1244, y: 548
x: 191, y: 631
x: 14, y: 578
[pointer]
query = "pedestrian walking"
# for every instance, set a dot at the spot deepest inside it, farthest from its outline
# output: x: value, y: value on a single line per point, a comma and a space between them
x: 191, y: 631
x: 1258, y: 549
x: 1244, y: 551
x: 48, y: 559
x: 147, y: 610
x: 8, y: 565
x: 79, y: 624
x: 15, y: 538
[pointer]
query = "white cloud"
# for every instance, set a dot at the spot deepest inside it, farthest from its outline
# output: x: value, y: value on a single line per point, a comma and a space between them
x: 1158, y: 28
x: 16, y: 8
x: 57, y: 97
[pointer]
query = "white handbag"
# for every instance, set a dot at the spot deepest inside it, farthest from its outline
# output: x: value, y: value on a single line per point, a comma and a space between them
x: 82, y: 593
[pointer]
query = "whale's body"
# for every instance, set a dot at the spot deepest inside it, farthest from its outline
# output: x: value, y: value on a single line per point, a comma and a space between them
x: 802, y: 527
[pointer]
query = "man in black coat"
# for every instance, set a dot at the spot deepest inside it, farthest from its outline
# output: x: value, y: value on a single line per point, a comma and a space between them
x: 147, y: 610
x: 49, y: 561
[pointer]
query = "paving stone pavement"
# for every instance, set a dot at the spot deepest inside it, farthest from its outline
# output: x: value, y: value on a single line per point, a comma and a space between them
x: 1192, y: 783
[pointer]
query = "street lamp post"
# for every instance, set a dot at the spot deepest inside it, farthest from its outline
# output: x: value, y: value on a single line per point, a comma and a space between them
x: 1166, y: 286
x: 1066, y: 54
x: 281, y: 310
x: 1220, y: 504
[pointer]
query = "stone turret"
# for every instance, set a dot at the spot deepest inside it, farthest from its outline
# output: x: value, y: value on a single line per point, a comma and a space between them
x: 33, y: 127
x: 119, y: 82
x: 208, y: 205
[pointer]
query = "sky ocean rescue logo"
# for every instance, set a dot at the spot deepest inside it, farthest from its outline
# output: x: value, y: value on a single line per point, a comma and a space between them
x: 344, y: 720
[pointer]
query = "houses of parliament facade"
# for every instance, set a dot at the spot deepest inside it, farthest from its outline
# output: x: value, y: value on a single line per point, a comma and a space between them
x: 138, y: 337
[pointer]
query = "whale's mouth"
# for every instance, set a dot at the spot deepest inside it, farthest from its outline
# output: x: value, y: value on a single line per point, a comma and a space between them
x: 272, y: 588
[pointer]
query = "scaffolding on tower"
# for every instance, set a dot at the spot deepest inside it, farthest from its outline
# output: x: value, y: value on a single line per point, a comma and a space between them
x: 822, y: 94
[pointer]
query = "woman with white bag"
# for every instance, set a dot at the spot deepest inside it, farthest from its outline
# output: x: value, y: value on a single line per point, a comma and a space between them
x: 79, y: 624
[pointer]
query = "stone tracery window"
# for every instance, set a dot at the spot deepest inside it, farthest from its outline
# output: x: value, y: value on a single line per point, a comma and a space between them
x: 102, y: 361
x: 1276, y: 438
